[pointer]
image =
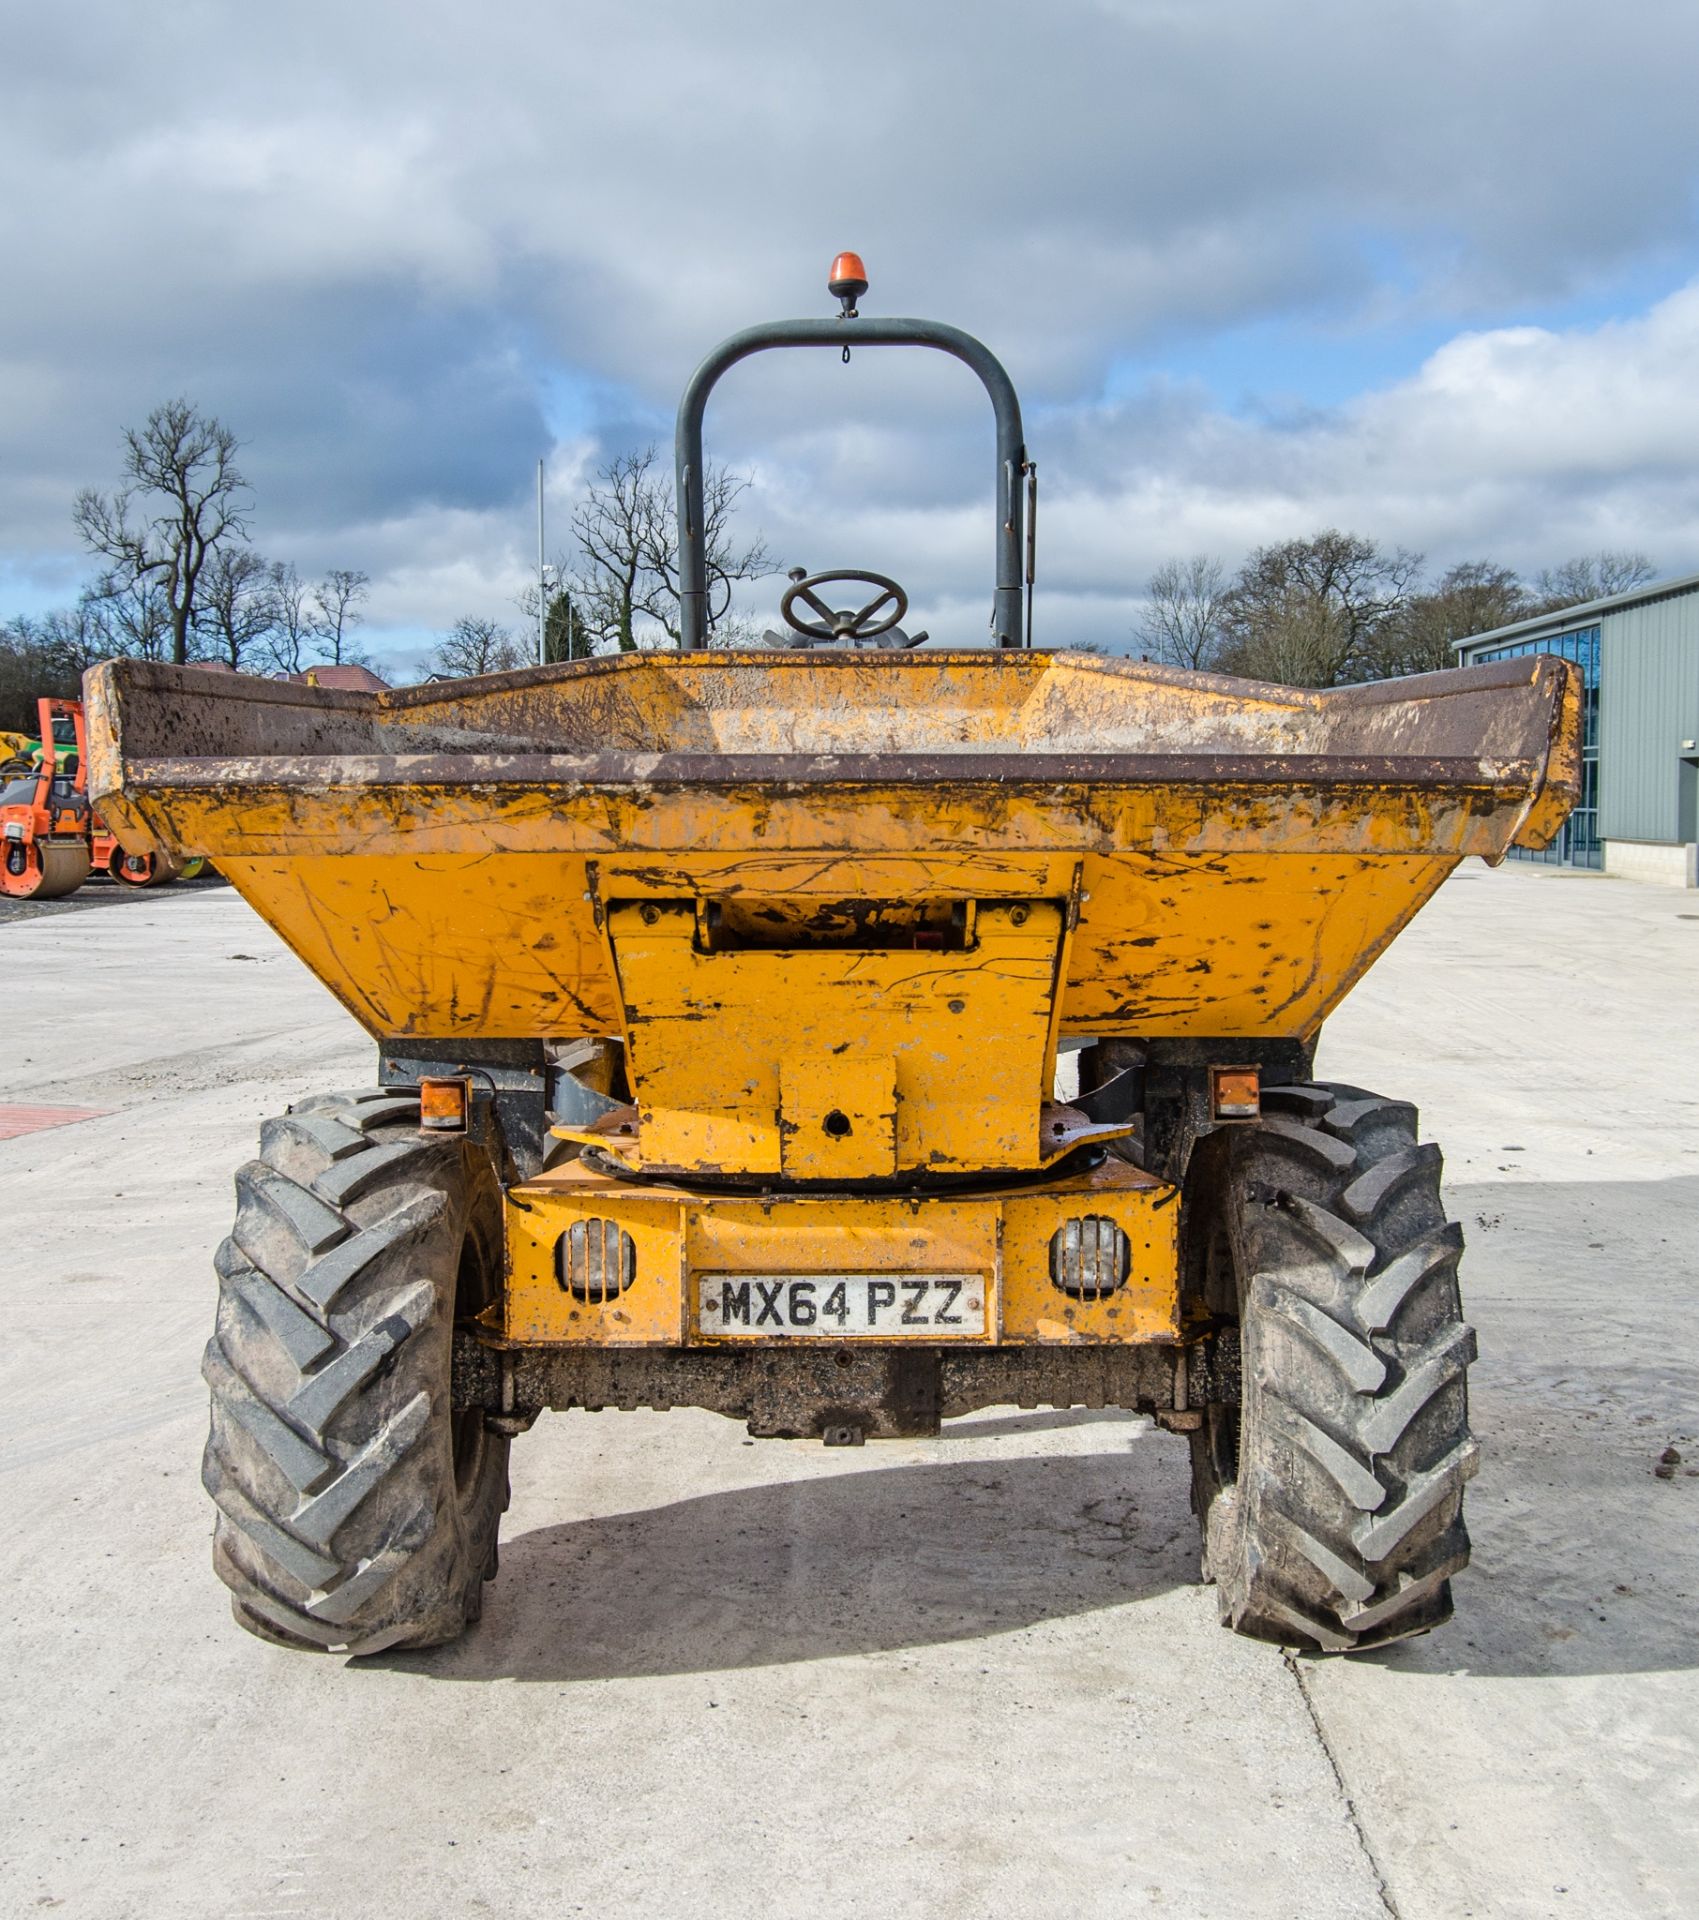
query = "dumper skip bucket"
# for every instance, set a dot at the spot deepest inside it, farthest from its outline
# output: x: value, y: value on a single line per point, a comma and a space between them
x: 1229, y: 856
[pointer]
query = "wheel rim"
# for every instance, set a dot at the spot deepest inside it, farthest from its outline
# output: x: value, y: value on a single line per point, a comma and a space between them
x: 37, y: 871
x: 474, y: 1289
x: 22, y: 872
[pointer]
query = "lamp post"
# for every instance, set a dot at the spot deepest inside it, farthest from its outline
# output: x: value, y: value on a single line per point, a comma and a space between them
x: 542, y: 583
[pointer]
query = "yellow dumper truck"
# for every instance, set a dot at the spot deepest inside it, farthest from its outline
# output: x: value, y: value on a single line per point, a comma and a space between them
x: 730, y: 1008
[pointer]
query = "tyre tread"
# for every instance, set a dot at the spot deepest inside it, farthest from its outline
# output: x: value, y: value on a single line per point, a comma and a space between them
x: 1344, y: 1525
x: 328, y: 1376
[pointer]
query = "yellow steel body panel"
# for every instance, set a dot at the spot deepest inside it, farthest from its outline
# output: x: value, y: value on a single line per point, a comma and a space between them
x: 837, y: 1117
x: 538, y: 1307
x: 741, y: 1060
x: 1219, y: 817
x: 444, y: 944
x: 1034, y: 1312
x: 1245, y: 944
x: 1242, y: 944
x: 1198, y: 857
x: 1003, y: 1235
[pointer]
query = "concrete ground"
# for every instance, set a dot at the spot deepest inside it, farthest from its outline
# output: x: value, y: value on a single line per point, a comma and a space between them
x: 958, y: 1678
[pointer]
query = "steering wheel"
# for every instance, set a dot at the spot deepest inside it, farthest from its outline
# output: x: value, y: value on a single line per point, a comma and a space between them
x: 843, y: 625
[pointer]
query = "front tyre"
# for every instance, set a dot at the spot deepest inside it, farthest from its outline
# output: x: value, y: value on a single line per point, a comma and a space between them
x: 357, y: 1510
x: 1331, y: 1498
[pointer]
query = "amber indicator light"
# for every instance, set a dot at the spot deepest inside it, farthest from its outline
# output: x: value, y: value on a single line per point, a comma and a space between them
x: 1235, y: 1093
x: 443, y: 1105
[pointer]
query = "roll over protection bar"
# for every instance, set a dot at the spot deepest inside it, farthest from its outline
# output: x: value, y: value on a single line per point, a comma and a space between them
x: 846, y: 331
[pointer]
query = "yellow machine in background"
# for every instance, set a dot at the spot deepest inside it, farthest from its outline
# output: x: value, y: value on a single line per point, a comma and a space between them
x: 730, y: 1007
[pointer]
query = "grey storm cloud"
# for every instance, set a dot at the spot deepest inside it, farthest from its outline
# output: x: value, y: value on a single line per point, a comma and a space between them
x: 384, y: 242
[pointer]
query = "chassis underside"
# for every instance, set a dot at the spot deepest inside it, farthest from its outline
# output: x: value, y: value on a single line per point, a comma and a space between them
x: 849, y: 1393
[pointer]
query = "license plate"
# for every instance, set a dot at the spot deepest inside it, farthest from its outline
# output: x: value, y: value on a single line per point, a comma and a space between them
x: 841, y: 1306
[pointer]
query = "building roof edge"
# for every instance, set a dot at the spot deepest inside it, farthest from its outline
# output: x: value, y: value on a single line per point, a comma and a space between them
x: 1581, y: 614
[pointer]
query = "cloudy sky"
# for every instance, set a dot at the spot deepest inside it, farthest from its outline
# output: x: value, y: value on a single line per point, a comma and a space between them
x: 1421, y: 268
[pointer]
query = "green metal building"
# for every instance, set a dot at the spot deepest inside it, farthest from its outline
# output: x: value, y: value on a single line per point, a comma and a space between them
x: 1639, y: 658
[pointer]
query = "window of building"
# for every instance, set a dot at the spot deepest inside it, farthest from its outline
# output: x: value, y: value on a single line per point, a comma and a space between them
x: 1578, y: 844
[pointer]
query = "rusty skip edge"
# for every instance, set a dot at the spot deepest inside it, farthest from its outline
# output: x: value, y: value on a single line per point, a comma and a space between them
x: 192, y: 689
x: 136, y: 791
x: 416, y: 798
x: 621, y: 772
x: 1559, y: 785
x: 141, y: 710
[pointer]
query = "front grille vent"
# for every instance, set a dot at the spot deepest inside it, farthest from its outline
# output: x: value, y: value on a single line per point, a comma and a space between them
x: 1090, y: 1258
x: 596, y: 1261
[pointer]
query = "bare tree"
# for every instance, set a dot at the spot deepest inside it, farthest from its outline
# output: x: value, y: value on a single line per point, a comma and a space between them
x: 181, y: 500
x: 725, y: 563
x: 76, y: 636
x: 335, y: 603
x: 1472, y: 597
x: 1591, y: 576
x: 315, y: 619
x: 237, y: 611
x: 627, y: 533
x: 47, y: 656
x: 292, y: 630
x: 132, y: 614
x: 1308, y: 612
x: 612, y: 528
x: 28, y: 670
x: 473, y: 646
x: 1185, y: 618
x: 1298, y: 637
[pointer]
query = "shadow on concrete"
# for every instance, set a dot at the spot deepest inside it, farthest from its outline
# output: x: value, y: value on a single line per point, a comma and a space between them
x: 862, y: 1561
x: 1585, y: 1563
